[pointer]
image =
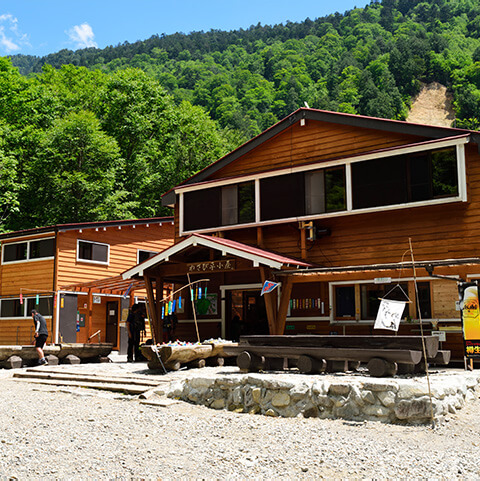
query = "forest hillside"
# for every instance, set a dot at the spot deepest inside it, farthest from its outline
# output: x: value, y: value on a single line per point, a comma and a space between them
x: 101, y: 133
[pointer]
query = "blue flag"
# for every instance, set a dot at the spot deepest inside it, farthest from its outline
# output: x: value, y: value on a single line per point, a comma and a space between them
x: 268, y: 286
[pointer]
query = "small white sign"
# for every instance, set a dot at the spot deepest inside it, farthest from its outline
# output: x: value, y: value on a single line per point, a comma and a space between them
x: 389, y: 315
x: 442, y: 335
x: 97, y: 299
x: 382, y: 280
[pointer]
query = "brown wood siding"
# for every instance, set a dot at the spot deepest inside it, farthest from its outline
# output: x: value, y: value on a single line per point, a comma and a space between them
x: 32, y: 277
x: 123, y: 243
x: 20, y: 331
x: 316, y: 141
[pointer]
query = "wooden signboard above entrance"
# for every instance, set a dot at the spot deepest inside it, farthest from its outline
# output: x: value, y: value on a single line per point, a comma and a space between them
x: 211, y: 266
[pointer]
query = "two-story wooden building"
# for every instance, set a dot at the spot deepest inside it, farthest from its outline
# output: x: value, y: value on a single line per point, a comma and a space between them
x: 326, y: 204
x: 42, y: 267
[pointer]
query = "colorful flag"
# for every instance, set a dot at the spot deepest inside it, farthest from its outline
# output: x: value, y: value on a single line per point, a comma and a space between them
x: 268, y: 286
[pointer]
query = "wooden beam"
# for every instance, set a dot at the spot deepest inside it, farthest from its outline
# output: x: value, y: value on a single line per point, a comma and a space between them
x: 270, y: 304
x: 260, y: 241
x: 89, y: 313
x: 281, y: 320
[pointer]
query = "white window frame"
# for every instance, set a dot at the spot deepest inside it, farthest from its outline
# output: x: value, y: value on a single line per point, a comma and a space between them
x: 28, y: 251
x: 90, y: 261
x: 458, y: 143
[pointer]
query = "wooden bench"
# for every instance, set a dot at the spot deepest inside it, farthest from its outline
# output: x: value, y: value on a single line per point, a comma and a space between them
x: 384, y: 355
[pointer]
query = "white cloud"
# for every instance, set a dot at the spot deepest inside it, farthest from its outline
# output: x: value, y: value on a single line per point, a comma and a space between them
x: 11, y: 39
x: 82, y: 35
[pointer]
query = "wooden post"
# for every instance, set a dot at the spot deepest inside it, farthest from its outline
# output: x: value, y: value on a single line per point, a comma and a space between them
x: 152, y: 309
x: 159, y: 295
x: 270, y: 304
x: 260, y: 237
x: 303, y: 243
x: 284, y: 302
x: 89, y: 313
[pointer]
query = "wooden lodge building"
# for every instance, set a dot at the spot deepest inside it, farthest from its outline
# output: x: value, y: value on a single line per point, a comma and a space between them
x: 71, y: 273
x: 325, y: 204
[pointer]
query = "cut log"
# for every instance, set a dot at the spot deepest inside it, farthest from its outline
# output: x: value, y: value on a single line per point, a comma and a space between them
x: 337, y: 366
x: 173, y: 366
x: 378, y: 367
x: 215, y: 361
x: 250, y: 361
x: 310, y: 365
x: 197, y: 364
x: 353, y: 365
x: 405, y: 368
x: 442, y: 358
x: 274, y: 364
x: 413, y: 343
x: 330, y: 354
x: 52, y: 360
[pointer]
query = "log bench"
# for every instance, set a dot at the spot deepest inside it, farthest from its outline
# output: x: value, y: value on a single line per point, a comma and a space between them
x: 384, y: 355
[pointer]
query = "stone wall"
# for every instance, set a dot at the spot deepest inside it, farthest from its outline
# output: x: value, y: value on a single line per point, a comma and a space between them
x: 358, y: 398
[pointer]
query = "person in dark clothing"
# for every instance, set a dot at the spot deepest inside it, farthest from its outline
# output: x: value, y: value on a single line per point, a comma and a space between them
x: 41, y: 334
x: 135, y: 325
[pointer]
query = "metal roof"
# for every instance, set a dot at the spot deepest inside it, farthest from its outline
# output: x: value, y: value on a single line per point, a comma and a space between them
x: 226, y: 246
x: 85, y: 225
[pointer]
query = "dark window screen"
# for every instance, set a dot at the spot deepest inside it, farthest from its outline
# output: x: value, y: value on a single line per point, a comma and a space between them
x: 42, y: 248
x: 202, y: 209
x: 89, y: 251
x: 15, y: 252
x: 379, y: 182
x: 246, y: 202
x: 11, y: 308
x: 44, y: 306
x: 144, y: 255
x: 282, y: 197
x: 345, y: 301
x: 420, y: 185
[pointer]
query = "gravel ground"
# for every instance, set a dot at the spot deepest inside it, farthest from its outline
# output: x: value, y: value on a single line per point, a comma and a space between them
x: 62, y: 433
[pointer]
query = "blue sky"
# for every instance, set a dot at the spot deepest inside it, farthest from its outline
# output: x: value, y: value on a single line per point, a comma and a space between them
x: 40, y: 27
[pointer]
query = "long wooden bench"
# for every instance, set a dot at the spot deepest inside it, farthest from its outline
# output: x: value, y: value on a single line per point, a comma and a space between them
x: 384, y: 355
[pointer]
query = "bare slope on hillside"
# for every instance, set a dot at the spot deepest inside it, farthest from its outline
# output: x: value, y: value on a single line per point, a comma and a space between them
x: 432, y: 106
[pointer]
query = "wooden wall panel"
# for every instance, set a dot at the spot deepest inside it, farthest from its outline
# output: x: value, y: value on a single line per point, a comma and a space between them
x: 124, y: 244
x: 314, y: 142
x: 445, y: 294
x: 34, y: 277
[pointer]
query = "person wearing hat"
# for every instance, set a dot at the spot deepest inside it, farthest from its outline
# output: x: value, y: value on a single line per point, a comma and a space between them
x: 41, y: 334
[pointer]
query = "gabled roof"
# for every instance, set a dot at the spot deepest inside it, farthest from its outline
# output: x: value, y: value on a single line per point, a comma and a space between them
x: 226, y: 246
x: 360, y: 121
x: 86, y: 225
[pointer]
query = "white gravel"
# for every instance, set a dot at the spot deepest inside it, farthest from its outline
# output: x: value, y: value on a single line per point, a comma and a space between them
x: 61, y: 433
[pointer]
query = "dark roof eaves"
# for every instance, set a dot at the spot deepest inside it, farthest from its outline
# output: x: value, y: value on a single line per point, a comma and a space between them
x: 83, y: 225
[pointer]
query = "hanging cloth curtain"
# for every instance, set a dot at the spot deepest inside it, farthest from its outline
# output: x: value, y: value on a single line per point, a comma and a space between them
x: 390, y: 311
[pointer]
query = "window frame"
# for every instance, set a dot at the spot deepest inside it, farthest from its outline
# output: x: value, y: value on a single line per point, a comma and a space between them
x: 91, y: 261
x: 457, y: 143
x: 28, y: 259
x: 26, y: 313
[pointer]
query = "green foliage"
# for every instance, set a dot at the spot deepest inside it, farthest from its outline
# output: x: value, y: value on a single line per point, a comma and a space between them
x: 159, y: 110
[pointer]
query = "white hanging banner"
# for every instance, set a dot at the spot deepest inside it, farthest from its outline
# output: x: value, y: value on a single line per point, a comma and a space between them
x: 389, y: 314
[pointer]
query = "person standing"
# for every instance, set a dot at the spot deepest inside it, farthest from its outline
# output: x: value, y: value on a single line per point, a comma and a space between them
x: 135, y: 325
x: 41, y: 334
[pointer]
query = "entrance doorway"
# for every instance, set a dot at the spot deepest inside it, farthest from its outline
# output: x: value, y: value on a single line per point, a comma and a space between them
x: 245, y: 314
x: 112, y: 323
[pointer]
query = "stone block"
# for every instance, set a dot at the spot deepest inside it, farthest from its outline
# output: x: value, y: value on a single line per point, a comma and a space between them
x: 368, y: 397
x: 271, y: 412
x: 324, y: 401
x: 256, y: 395
x: 281, y: 399
x: 387, y: 398
x: 52, y: 360
x: 218, y: 404
x: 13, y: 362
x: 380, y: 386
x: 311, y: 412
x: 339, y: 389
x: 415, y: 409
x: 201, y: 382
x: 71, y: 359
x: 377, y: 411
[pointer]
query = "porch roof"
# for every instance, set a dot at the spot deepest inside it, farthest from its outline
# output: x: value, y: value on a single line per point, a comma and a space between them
x: 227, y: 247
x: 111, y: 285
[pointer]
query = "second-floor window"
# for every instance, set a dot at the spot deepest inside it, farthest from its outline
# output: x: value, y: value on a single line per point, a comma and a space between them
x: 94, y: 252
x: 28, y: 250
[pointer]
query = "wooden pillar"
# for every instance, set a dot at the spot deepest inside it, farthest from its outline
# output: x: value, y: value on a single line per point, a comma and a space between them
x: 152, y: 309
x: 303, y: 243
x: 270, y: 302
x: 260, y: 242
x: 159, y: 294
x: 89, y: 313
x: 287, y: 285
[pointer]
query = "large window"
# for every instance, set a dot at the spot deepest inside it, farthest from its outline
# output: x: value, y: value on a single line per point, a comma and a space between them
x: 402, y: 179
x: 10, y: 308
x: 371, y: 295
x: 28, y: 250
x: 421, y: 177
x: 219, y: 206
x: 142, y: 255
x: 92, y: 252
